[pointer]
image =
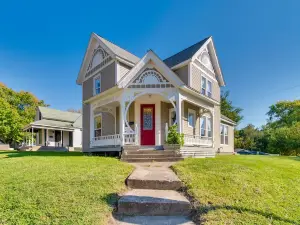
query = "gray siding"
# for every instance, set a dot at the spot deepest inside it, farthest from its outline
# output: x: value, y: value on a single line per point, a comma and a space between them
x: 183, y: 74
x: 108, y: 124
x: 107, y: 81
x: 164, y: 118
x: 86, y: 127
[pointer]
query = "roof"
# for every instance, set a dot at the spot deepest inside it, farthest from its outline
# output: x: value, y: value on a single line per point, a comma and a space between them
x: 53, y: 123
x: 119, y: 51
x: 60, y: 117
x: 184, y: 54
x: 225, y: 118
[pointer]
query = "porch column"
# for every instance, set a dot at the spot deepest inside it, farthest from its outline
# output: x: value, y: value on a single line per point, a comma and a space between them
x: 46, y: 137
x: 122, y: 127
x: 178, y: 112
x: 61, y: 138
x: 31, y: 136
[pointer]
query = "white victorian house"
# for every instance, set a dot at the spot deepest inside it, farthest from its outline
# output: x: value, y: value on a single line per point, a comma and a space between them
x: 131, y: 101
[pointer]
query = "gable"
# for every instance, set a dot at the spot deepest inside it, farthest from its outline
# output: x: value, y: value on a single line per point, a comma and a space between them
x: 150, y: 78
x: 205, y: 59
x: 150, y: 70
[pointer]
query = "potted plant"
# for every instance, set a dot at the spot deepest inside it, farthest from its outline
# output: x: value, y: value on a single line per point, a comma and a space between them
x: 174, y: 139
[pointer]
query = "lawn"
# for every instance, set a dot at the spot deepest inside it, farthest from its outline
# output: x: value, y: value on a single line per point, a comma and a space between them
x: 59, y: 188
x: 243, y: 189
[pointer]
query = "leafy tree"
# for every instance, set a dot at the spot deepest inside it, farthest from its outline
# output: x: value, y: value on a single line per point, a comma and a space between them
x: 227, y: 109
x: 247, y: 137
x: 17, y: 109
x: 285, y: 140
x: 284, y: 113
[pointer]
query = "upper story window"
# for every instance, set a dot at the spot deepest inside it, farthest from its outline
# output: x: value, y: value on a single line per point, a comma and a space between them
x: 206, y: 87
x: 97, y: 85
x: 206, y: 126
x: 191, y: 118
x: 224, y: 134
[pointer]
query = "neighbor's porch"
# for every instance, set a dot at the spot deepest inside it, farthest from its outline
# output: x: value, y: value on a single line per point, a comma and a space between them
x: 146, y: 118
x: 38, y: 137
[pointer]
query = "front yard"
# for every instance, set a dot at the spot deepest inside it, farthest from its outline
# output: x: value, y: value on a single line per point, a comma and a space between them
x: 58, y: 188
x: 244, y: 189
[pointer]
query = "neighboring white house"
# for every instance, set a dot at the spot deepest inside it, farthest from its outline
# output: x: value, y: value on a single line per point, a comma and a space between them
x: 128, y: 101
x: 54, y: 129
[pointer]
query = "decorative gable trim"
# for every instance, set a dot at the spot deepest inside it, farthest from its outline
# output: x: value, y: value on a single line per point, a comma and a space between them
x: 150, y: 78
x: 209, y: 45
x: 168, y: 74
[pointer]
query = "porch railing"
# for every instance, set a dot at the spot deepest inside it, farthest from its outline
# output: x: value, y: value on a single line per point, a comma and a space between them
x: 197, y: 140
x: 131, y: 138
x: 106, y: 140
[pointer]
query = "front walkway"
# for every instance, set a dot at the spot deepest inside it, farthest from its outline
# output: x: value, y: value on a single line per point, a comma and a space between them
x: 153, y: 198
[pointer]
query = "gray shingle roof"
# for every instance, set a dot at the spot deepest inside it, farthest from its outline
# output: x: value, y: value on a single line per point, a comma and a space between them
x: 119, y: 51
x: 60, y: 117
x: 184, y: 54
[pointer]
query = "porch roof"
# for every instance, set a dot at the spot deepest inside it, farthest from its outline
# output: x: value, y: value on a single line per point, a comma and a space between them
x: 44, y: 123
x: 226, y: 119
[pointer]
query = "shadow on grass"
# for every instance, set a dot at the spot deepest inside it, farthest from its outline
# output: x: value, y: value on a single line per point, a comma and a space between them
x: 207, y: 208
x: 111, y: 199
x: 41, y: 154
x: 296, y: 158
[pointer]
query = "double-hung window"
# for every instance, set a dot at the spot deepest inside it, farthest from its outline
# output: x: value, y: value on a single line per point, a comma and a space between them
x: 206, y: 126
x: 206, y: 87
x: 98, y: 125
x: 224, y: 134
x: 191, y: 118
x: 97, y: 85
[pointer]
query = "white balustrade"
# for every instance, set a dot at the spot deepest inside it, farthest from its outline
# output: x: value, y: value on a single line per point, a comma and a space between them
x: 106, y: 140
x: 197, y: 140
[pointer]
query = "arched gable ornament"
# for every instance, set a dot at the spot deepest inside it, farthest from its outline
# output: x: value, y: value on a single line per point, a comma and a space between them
x: 98, y: 54
x: 150, y: 78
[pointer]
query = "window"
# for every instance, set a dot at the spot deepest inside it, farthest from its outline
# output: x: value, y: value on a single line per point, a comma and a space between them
x: 206, y: 126
x: 97, y: 85
x: 191, y: 118
x: 172, y: 116
x: 98, y: 125
x: 206, y: 87
x: 203, y: 86
x: 203, y: 125
x: 224, y: 134
x: 209, y: 88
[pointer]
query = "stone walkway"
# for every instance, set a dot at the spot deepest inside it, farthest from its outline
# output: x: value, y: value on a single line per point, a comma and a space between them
x: 153, y: 197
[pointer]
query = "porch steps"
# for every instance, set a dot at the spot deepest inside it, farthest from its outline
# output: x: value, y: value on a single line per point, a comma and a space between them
x: 150, y: 156
x: 156, y: 179
x: 198, y: 153
x: 147, y: 202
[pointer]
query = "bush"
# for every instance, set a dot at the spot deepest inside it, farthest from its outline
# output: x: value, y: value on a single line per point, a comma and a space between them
x: 174, y: 137
x: 285, y: 140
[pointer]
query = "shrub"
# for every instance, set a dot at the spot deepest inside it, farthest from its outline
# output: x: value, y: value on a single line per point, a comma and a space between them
x: 174, y: 137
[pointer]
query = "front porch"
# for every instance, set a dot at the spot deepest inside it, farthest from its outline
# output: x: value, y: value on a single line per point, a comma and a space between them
x: 47, y: 139
x: 139, y: 119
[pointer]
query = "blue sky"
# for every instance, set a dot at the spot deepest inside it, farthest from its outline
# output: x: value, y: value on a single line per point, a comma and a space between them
x: 42, y: 44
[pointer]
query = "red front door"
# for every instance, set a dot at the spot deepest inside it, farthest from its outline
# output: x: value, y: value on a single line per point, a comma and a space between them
x: 148, y: 124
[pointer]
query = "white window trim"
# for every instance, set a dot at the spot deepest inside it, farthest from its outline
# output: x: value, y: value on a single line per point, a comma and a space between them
x: 191, y: 111
x: 170, y: 114
x: 206, y: 86
x: 206, y: 126
x: 96, y: 115
x: 222, y: 124
x: 98, y: 76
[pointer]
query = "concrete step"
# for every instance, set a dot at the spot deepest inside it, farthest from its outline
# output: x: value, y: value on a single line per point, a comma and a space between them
x: 150, y: 156
x: 150, y: 152
x: 153, y: 220
x: 145, y: 159
x: 153, y: 178
x: 146, y: 202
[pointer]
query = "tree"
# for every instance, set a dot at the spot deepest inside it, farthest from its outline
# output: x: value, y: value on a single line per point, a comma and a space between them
x: 248, y: 137
x: 227, y: 109
x: 17, y: 110
x: 284, y: 113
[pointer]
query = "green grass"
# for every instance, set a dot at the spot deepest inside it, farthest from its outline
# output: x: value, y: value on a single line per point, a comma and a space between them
x: 58, y: 188
x: 243, y: 189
